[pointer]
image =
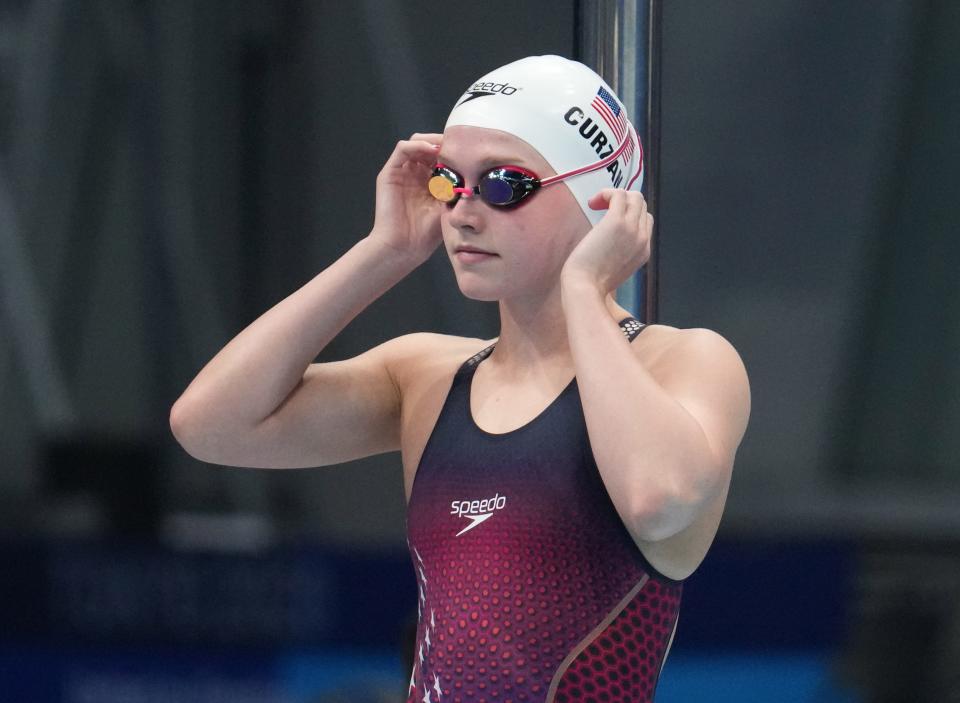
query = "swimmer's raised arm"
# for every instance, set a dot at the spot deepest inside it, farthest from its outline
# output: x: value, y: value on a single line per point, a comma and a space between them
x: 261, y: 403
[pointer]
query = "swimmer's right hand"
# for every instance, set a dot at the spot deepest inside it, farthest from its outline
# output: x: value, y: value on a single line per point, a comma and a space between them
x: 407, y: 217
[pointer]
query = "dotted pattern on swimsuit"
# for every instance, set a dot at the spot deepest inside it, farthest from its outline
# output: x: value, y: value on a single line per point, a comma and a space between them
x: 624, y: 661
x: 497, y: 626
x: 631, y: 327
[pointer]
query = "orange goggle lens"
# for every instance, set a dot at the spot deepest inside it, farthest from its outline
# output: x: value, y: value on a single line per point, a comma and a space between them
x: 441, y: 188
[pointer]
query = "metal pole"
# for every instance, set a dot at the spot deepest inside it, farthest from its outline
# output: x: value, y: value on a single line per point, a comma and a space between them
x: 652, y: 147
x: 620, y: 40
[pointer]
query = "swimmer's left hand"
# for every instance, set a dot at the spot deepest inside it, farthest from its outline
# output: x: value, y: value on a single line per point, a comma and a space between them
x: 617, y: 246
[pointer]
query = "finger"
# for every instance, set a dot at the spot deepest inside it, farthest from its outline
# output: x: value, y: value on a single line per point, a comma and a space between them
x: 619, y: 202
x: 416, y: 148
x: 600, y: 200
x: 422, y: 152
x: 641, y: 202
x: 635, y: 207
x: 607, y: 199
x: 431, y: 137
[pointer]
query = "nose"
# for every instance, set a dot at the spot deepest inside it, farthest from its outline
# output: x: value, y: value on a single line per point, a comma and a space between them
x: 466, y: 212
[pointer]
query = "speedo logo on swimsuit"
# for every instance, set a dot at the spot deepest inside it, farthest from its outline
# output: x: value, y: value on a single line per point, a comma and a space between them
x: 480, y: 90
x: 477, y: 511
x: 601, y: 144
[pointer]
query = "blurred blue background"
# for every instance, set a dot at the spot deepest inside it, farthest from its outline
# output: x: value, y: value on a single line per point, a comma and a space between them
x: 168, y: 170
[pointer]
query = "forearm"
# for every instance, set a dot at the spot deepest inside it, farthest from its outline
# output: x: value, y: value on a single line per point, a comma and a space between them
x: 252, y: 375
x: 652, y: 454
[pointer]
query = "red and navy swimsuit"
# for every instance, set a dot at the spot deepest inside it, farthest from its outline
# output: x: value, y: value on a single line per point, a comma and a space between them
x: 530, y: 588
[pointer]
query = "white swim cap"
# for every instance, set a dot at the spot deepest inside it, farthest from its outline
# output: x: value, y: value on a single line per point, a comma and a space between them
x: 565, y: 111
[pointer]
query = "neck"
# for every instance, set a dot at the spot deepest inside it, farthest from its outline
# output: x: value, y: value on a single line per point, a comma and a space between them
x: 533, y: 333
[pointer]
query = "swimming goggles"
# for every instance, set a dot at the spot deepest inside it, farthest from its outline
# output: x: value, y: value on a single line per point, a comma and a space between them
x: 503, y: 186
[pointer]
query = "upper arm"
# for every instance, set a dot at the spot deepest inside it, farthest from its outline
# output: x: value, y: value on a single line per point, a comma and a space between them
x: 706, y: 376
x: 339, y: 411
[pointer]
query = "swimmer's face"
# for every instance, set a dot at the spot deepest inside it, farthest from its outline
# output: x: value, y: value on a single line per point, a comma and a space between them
x: 531, y: 240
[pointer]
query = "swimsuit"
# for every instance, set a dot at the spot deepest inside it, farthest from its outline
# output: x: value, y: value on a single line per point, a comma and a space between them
x: 529, y: 586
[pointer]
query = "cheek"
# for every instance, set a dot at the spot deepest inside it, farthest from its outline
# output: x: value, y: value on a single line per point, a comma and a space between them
x: 561, y: 230
x: 448, y: 231
x: 538, y: 253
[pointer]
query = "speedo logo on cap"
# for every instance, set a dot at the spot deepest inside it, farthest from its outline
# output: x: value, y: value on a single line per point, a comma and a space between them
x: 477, y: 511
x: 481, y: 90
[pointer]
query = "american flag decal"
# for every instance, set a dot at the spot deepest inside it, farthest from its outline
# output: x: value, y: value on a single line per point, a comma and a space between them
x: 609, y: 109
x: 627, y: 151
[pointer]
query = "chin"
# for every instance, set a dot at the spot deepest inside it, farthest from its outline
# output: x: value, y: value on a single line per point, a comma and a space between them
x: 485, y: 296
x: 478, y: 290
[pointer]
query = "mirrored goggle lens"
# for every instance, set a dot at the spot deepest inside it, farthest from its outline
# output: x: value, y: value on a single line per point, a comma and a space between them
x: 505, y: 186
x: 441, y: 187
x: 496, y: 190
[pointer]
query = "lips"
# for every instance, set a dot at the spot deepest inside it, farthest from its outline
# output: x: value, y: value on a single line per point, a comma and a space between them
x: 474, y: 250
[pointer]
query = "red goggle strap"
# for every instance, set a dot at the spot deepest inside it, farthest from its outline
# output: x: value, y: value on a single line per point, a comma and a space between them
x: 600, y: 164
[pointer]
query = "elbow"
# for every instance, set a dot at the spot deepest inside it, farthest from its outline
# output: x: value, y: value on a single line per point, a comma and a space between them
x: 662, y: 508
x: 186, y: 425
x: 180, y: 423
x: 660, y: 513
x: 207, y: 435
x: 652, y: 518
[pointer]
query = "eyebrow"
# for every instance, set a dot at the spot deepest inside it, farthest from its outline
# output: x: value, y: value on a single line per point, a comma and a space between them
x: 489, y: 161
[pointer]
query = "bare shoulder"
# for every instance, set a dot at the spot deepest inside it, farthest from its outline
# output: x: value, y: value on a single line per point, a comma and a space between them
x: 684, y: 338
x: 704, y: 372
x: 419, y: 356
x: 675, y: 349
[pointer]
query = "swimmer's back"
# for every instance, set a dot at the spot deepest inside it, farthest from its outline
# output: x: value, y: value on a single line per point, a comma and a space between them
x: 340, y: 410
